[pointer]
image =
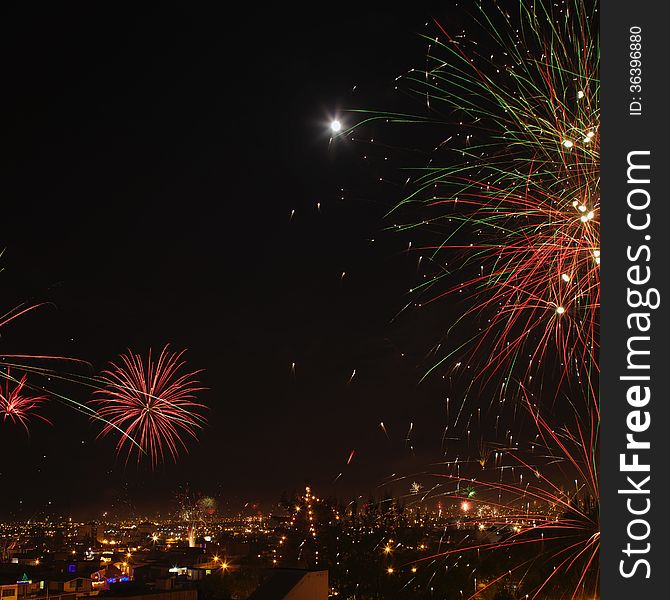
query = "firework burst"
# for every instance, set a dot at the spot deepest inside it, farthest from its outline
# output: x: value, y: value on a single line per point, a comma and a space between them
x: 518, y: 199
x: 153, y: 403
x: 16, y: 404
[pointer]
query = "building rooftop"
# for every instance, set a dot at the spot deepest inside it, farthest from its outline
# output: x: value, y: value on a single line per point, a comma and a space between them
x: 280, y: 584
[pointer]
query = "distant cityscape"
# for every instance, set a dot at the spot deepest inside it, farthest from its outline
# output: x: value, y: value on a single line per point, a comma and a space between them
x: 381, y: 548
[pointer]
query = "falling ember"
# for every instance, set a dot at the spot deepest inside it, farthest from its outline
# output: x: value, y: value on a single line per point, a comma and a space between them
x: 351, y: 456
x: 381, y: 424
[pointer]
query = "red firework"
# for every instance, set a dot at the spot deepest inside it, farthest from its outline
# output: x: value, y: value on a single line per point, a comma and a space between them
x: 514, y: 191
x: 17, y: 406
x: 539, y: 287
x: 153, y: 405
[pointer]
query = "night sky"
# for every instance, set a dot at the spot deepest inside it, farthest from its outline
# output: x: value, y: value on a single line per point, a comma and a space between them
x: 151, y: 164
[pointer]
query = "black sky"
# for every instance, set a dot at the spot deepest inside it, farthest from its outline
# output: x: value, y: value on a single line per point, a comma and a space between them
x: 151, y: 162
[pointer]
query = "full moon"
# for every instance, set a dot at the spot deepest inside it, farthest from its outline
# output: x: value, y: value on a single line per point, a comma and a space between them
x: 335, y: 126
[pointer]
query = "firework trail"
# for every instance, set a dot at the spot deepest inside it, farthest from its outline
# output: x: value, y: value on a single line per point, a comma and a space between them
x: 16, y: 404
x: 152, y: 402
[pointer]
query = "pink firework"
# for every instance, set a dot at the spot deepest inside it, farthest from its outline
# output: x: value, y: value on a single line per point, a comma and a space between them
x: 153, y: 405
x: 17, y: 406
